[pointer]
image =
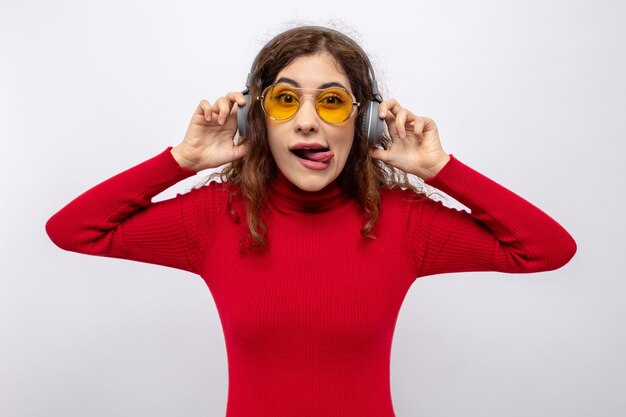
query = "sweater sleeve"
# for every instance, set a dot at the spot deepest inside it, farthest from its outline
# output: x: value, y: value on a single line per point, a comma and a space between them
x: 116, y: 218
x: 502, y: 233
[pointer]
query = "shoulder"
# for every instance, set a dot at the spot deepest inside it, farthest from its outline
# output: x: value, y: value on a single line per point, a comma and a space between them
x: 398, y: 197
x: 214, y: 188
x: 409, y: 203
x: 213, y: 196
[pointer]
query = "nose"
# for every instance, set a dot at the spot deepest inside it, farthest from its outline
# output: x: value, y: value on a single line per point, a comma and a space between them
x: 306, y: 119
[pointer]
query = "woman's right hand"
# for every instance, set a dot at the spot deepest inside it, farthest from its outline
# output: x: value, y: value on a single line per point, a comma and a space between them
x: 208, y: 142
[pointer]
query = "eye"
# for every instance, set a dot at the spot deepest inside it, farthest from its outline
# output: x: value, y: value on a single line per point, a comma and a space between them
x: 331, y: 99
x: 286, y: 98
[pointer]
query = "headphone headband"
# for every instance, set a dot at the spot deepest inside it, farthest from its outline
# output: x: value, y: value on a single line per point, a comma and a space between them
x: 373, y: 83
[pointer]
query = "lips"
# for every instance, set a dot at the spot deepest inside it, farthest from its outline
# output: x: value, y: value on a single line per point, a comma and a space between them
x: 312, y: 155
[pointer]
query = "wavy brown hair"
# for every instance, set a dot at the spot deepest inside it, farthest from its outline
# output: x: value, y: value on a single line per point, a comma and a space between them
x: 362, y: 177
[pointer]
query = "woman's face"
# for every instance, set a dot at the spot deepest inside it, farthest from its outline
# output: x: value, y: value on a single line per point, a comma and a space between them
x: 290, y: 140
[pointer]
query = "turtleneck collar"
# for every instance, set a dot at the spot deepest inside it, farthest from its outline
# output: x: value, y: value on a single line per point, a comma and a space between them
x: 286, y: 196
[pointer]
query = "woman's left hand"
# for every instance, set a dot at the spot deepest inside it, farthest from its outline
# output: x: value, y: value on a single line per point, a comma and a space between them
x: 415, y: 147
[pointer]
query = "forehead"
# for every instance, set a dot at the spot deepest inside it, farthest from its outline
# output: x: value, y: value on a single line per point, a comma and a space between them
x: 312, y: 71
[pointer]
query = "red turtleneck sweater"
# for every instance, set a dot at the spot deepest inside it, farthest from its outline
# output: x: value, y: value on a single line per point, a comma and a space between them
x: 309, y: 321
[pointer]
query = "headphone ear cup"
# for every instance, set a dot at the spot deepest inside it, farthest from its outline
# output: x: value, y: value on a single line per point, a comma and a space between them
x: 373, y: 125
x: 242, y: 118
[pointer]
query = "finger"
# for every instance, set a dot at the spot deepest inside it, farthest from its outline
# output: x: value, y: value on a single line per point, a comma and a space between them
x: 204, y: 110
x: 378, y: 153
x: 401, y: 123
x: 223, y: 106
x: 390, y: 119
x: 385, y: 106
x: 237, y: 97
x: 233, y: 110
x: 429, y: 125
x: 418, y: 128
x: 388, y: 106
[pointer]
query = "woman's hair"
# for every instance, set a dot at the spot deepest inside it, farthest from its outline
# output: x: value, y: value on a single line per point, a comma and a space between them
x: 362, y: 177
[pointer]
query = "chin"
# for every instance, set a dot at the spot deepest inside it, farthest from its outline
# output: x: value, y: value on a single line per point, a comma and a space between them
x: 313, y: 188
x: 311, y: 183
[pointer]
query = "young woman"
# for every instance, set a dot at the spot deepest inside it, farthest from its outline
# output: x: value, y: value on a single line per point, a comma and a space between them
x: 313, y: 236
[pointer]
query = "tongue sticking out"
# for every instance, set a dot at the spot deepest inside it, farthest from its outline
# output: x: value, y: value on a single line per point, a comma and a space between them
x: 318, y: 156
x: 314, y: 155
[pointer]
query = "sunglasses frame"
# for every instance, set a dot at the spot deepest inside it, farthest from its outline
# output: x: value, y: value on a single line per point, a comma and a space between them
x: 300, y: 96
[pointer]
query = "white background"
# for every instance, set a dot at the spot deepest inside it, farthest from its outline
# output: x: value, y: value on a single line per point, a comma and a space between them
x: 531, y: 93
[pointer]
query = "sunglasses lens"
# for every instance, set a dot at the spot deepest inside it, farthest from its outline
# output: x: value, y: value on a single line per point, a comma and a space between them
x: 280, y: 102
x: 334, y: 105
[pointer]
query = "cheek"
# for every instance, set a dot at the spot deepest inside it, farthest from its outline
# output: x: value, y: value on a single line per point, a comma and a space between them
x: 273, y: 139
x: 347, y: 141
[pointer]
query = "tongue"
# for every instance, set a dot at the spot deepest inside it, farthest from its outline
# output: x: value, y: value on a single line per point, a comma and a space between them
x: 317, y: 156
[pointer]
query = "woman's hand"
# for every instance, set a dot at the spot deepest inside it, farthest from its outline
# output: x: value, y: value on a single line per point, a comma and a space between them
x: 208, y: 142
x: 415, y: 147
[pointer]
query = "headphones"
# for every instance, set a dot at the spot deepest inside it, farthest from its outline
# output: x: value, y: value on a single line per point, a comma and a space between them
x: 372, y: 124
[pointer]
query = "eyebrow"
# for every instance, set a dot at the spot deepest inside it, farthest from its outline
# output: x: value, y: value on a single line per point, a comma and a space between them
x: 297, y: 84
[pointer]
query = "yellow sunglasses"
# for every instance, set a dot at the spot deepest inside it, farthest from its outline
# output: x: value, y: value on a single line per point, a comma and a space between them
x: 333, y: 105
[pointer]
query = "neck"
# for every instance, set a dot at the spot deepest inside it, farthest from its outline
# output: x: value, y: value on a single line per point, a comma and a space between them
x: 286, y: 196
